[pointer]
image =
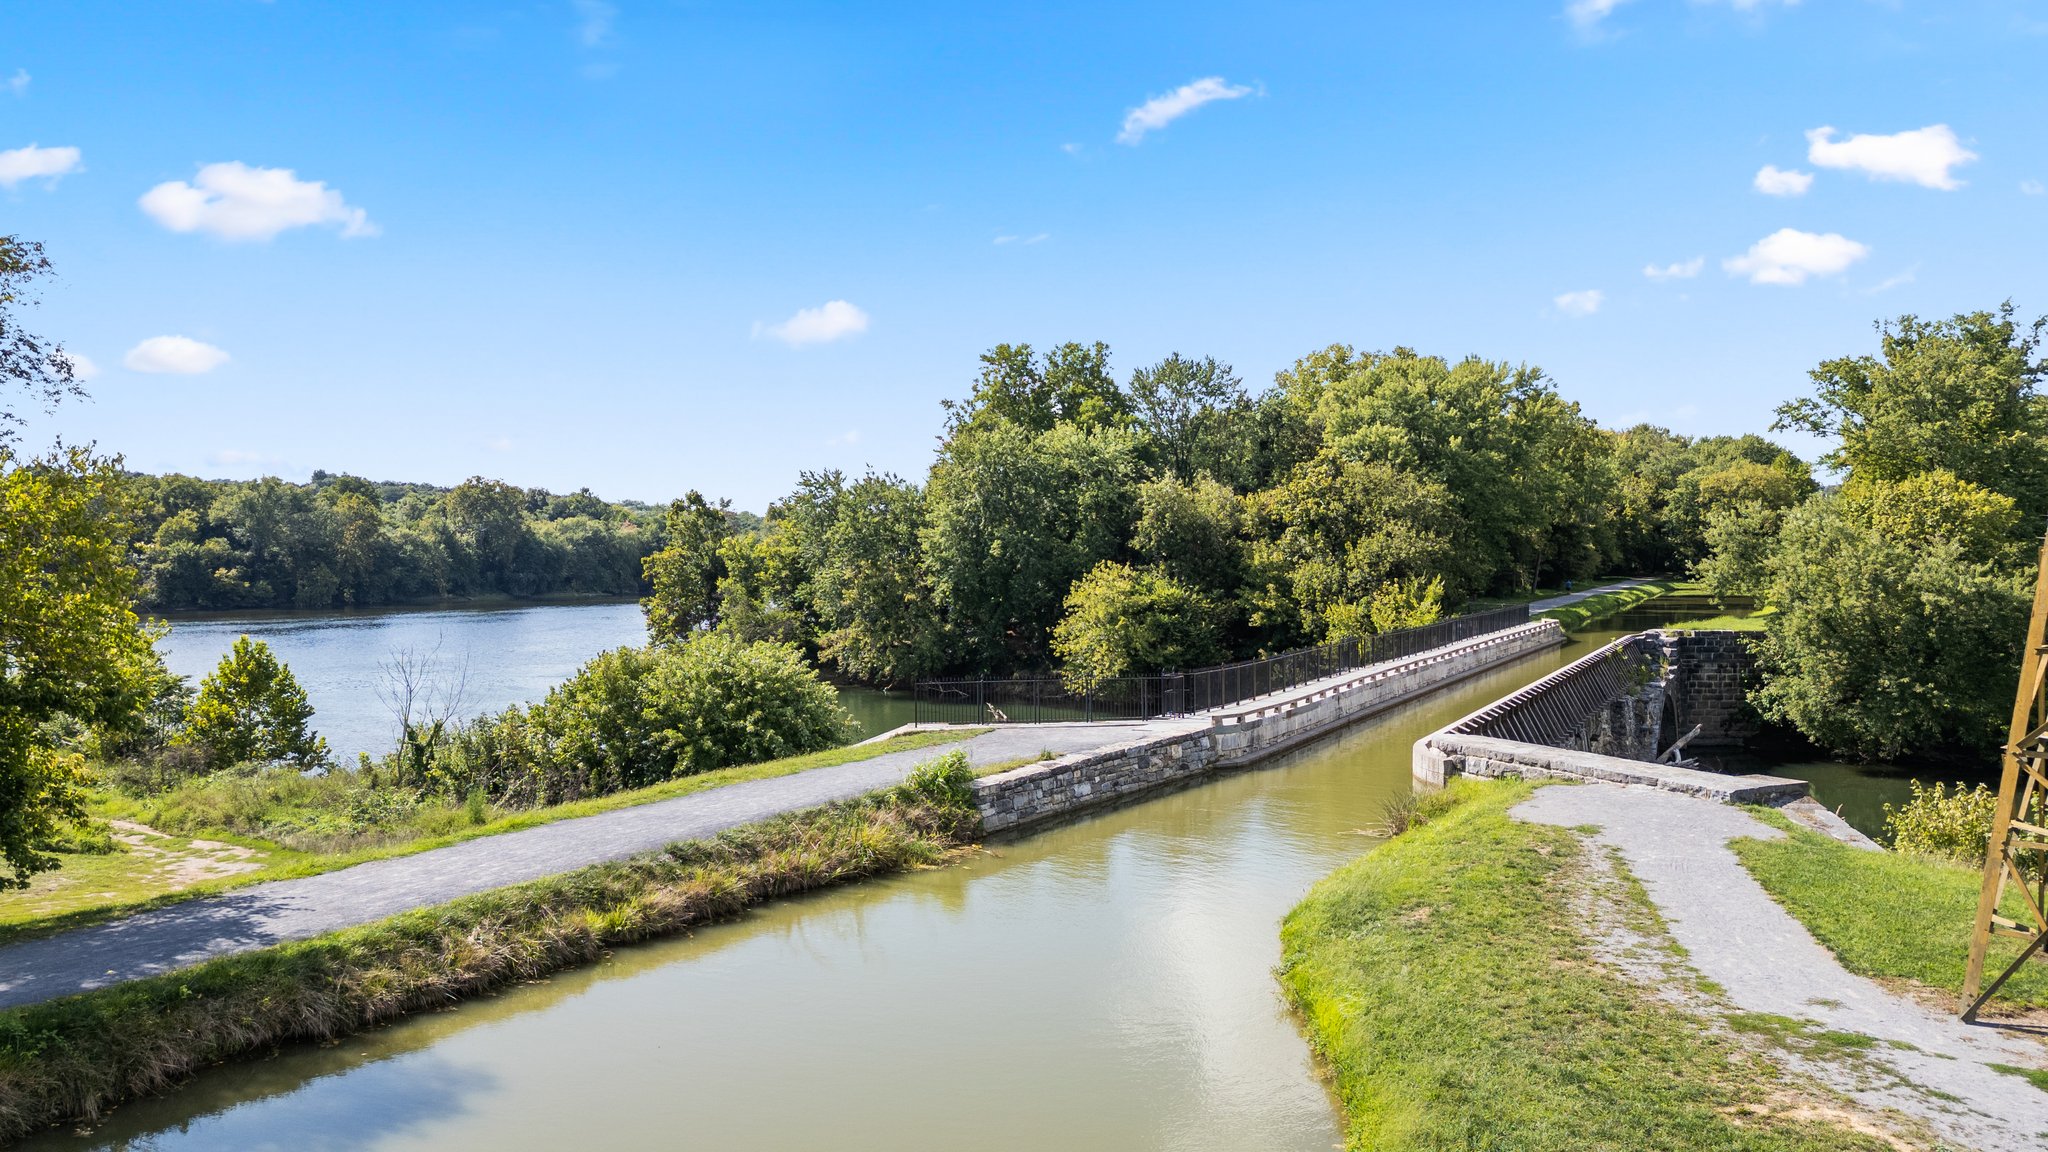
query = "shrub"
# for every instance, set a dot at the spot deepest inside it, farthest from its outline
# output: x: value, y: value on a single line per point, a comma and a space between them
x: 946, y: 781
x: 638, y: 716
x: 1936, y: 822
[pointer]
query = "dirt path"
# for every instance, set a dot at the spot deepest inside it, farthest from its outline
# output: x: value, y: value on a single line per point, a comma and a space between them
x: 1927, y: 1065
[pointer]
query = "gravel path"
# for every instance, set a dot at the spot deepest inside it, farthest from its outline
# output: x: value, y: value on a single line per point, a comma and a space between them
x: 270, y: 913
x: 1928, y: 1065
x: 1536, y: 606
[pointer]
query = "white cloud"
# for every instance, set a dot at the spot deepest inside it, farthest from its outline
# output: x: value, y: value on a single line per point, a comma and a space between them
x: 1586, y: 13
x: 1039, y: 238
x: 1579, y: 303
x: 1772, y: 180
x: 833, y: 320
x: 1683, y: 270
x: 236, y: 202
x: 1071, y: 149
x: 1922, y: 156
x: 1160, y: 111
x: 2032, y: 187
x: 503, y: 444
x: 82, y: 367
x: 18, y: 83
x: 1890, y: 282
x: 1789, y: 256
x: 174, y: 355
x: 594, y: 21
x: 31, y: 162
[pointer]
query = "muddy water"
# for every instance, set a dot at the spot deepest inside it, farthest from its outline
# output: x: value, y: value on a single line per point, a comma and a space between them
x: 1107, y: 984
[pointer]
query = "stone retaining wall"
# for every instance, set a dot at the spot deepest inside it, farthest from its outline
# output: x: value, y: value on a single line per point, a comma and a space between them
x: 1442, y: 755
x: 1239, y: 736
x: 1711, y: 673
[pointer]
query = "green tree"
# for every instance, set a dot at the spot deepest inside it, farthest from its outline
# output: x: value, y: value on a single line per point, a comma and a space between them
x: 71, y: 644
x: 1013, y: 518
x: 686, y: 572
x: 32, y: 365
x: 1959, y: 395
x: 860, y: 547
x: 1896, y: 634
x: 1194, y: 531
x: 1122, y: 620
x: 1069, y: 385
x: 1185, y: 405
x: 251, y: 708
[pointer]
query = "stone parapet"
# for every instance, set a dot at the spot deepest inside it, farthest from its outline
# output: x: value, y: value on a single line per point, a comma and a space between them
x: 1444, y: 754
x: 1242, y: 734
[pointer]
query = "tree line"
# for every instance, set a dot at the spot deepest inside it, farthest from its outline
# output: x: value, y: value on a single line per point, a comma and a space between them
x: 1177, y: 517
x: 342, y: 541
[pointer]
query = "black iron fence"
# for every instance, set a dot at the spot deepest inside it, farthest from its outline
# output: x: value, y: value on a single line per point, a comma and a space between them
x: 1558, y: 707
x: 1041, y: 699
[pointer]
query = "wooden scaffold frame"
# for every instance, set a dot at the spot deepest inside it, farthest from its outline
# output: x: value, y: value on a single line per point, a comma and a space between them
x: 2017, y: 853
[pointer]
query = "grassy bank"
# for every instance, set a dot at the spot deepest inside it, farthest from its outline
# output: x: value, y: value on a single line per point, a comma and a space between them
x: 1448, y: 983
x: 266, y: 815
x: 75, y: 1057
x: 1887, y: 916
x: 1593, y: 609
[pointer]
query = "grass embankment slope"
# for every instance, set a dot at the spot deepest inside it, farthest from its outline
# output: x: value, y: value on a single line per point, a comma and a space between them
x: 72, y: 1058
x: 1449, y: 984
x: 1904, y: 920
x: 163, y: 868
x: 1593, y: 609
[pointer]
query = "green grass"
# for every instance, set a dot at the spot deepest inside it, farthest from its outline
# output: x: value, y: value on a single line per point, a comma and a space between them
x: 1886, y: 915
x: 1484, y: 603
x: 2034, y: 1076
x: 1447, y: 983
x: 1593, y: 609
x: 73, y: 1058
x: 1755, y: 622
x: 1002, y: 766
x: 59, y: 906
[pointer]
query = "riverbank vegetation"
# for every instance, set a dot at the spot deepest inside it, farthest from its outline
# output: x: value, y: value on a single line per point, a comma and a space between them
x: 342, y: 541
x: 1900, y: 917
x: 1901, y: 595
x: 1449, y: 984
x: 1575, y: 617
x: 75, y: 1057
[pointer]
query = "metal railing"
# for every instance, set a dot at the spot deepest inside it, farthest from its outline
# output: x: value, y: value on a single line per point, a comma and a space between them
x: 1558, y: 707
x: 1043, y: 699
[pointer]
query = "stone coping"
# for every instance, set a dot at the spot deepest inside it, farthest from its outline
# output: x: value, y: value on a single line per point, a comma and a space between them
x: 1492, y: 756
x: 1342, y: 682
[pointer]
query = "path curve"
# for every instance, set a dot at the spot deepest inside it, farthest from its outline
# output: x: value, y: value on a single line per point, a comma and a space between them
x: 1737, y: 936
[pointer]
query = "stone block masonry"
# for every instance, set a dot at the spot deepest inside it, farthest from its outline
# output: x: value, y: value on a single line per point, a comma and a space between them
x: 1243, y: 734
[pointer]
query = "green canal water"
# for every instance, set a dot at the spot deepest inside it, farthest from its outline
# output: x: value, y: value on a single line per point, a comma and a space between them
x: 1106, y: 984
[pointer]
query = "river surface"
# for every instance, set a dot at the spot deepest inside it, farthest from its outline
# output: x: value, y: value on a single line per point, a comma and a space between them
x: 1103, y: 985
x: 500, y: 655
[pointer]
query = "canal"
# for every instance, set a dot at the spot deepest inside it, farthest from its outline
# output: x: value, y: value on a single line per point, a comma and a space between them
x: 1105, y: 984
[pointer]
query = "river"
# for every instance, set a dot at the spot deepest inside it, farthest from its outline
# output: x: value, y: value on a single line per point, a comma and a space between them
x: 501, y: 655
x: 1106, y: 984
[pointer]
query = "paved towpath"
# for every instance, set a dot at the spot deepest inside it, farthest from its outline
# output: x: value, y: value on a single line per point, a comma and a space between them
x: 1928, y: 1064
x: 1536, y: 606
x: 270, y: 913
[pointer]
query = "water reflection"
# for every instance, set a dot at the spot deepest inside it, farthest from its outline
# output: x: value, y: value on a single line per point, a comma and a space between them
x: 1105, y: 984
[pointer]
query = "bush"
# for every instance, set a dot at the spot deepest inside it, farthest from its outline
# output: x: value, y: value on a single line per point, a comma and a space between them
x: 946, y: 781
x: 638, y: 716
x: 1949, y: 825
x: 1122, y: 620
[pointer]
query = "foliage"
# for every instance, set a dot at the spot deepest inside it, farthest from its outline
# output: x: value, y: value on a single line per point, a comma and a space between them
x: 1070, y: 385
x: 946, y: 780
x: 342, y: 540
x: 71, y: 645
x: 1014, y: 517
x: 1959, y: 395
x: 684, y: 576
x: 1122, y: 620
x: 36, y: 366
x: 75, y: 1057
x: 857, y: 546
x: 1947, y: 825
x: 1889, y: 640
x: 1187, y: 406
x: 637, y: 716
x: 251, y: 709
x: 1446, y: 982
x: 1887, y: 915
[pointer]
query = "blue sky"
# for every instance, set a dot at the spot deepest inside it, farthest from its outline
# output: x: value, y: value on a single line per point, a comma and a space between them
x: 599, y: 244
